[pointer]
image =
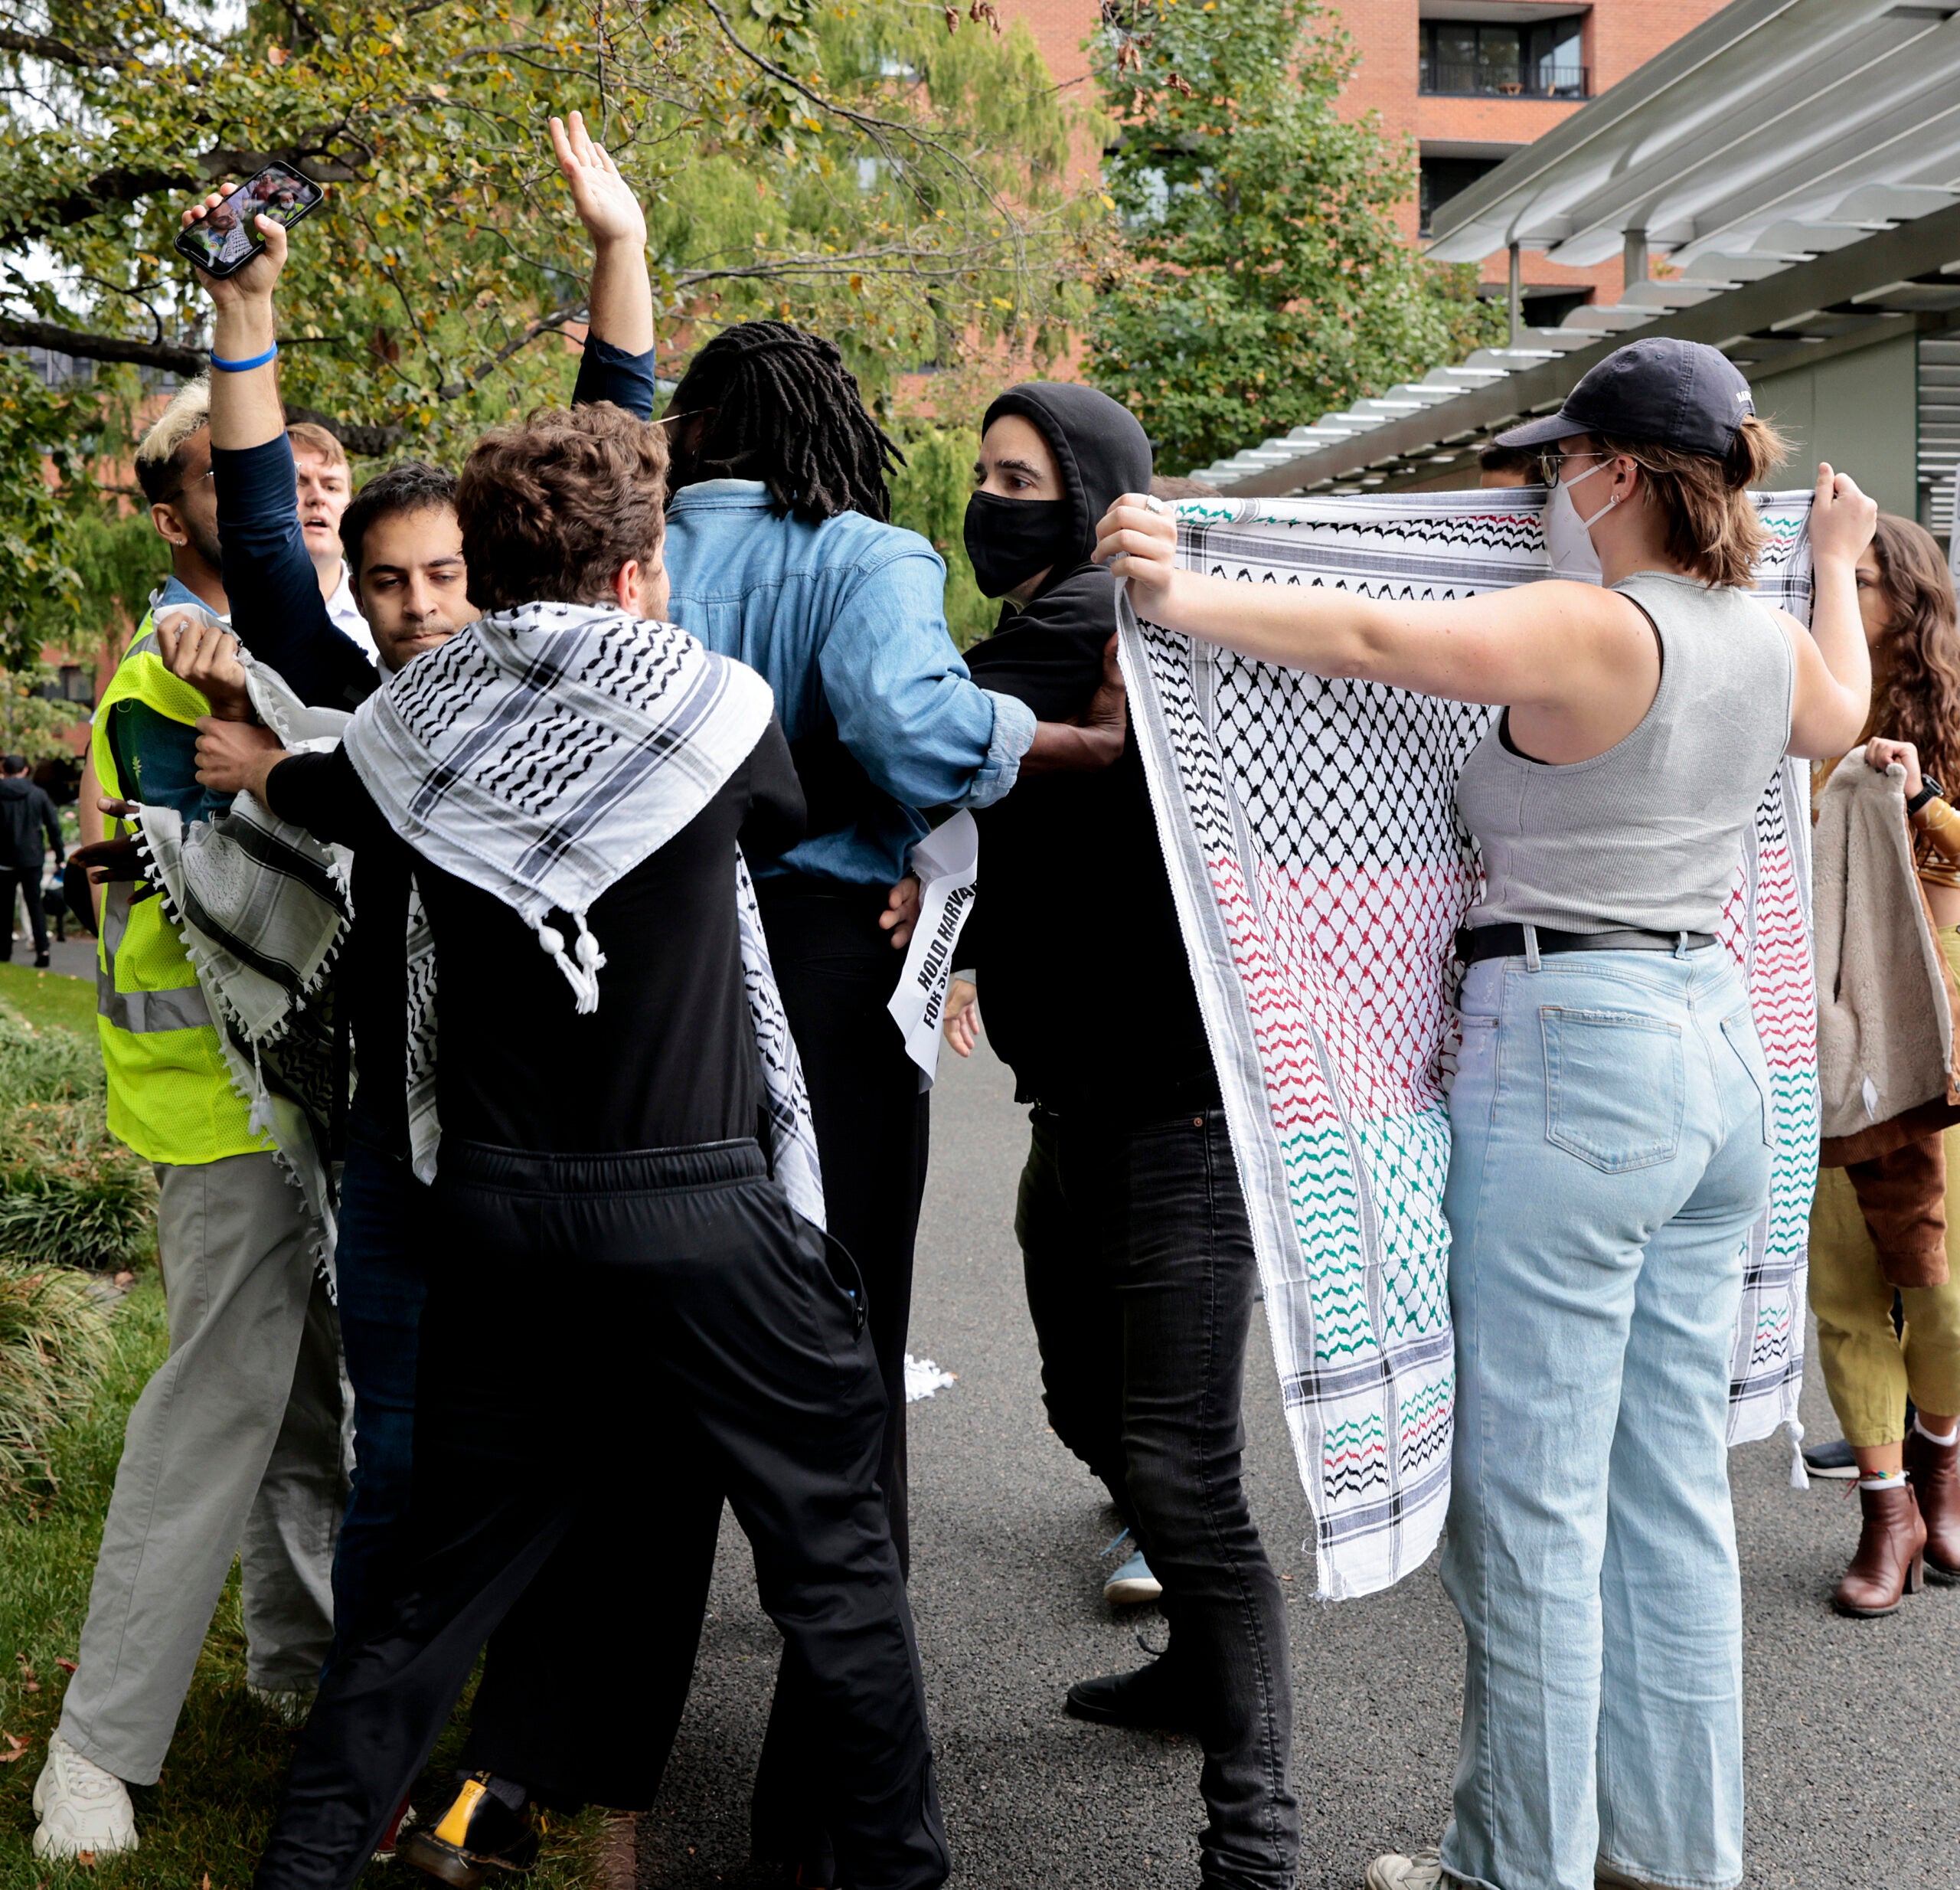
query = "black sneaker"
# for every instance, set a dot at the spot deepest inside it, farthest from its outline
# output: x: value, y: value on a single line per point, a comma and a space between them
x: 1834, y: 1460
x: 1146, y: 1699
x: 477, y: 1834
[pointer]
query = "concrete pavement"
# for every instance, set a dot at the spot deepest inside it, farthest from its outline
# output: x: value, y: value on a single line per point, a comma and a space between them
x: 1854, y: 1727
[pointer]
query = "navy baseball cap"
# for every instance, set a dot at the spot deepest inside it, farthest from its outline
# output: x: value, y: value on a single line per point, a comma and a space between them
x: 1682, y: 394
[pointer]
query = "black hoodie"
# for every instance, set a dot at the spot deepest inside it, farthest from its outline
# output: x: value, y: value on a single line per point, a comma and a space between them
x: 1085, y: 985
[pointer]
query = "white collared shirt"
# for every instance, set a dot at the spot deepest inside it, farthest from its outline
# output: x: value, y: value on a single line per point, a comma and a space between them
x: 346, y: 614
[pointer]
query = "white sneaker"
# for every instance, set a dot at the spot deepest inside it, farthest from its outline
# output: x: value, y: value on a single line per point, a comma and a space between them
x: 83, y: 1810
x: 289, y: 1706
x: 1423, y: 1872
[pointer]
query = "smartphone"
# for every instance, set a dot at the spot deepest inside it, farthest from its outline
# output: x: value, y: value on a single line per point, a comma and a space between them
x: 224, y: 239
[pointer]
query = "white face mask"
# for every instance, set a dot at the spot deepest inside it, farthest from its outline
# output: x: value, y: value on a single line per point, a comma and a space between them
x: 1568, y: 537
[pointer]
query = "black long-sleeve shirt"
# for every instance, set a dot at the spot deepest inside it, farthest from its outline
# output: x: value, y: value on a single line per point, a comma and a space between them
x: 668, y: 1058
x: 278, y: 614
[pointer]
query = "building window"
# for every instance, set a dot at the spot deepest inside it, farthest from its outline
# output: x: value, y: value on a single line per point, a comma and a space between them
x: 1481, y: 58
x: 1442, y: 178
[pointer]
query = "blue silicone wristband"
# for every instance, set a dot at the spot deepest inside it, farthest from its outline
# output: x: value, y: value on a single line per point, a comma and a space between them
x: 246, y: 366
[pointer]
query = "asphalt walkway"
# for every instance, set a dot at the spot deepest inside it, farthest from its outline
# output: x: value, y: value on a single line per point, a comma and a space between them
x: 1854, y: 1727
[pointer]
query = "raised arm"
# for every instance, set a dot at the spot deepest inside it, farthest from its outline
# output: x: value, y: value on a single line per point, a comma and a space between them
x: 1833, y: 694
x: 618, y: 361
x: 1517, y: 647
x: 1572, y: 650
x: 275, y: 592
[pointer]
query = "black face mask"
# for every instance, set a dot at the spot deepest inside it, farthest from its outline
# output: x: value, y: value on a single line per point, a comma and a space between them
x: 1009, y: 539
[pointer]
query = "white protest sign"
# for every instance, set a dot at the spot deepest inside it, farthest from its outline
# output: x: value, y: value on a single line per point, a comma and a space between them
x: 947, y: 861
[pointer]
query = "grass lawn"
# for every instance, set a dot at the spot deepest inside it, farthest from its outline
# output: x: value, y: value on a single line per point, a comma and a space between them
x: 48, y: 997
x: 201, y: 1824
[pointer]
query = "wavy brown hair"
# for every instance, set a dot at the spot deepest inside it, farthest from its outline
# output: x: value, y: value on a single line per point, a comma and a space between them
x: 1915, y: 686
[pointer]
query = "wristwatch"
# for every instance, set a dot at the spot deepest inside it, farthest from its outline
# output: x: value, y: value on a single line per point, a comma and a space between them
x: 1931, y: 791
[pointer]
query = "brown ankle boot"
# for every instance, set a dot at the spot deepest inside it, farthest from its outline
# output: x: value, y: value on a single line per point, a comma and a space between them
x: 1891, y: 1550
x: 1934, y: 1472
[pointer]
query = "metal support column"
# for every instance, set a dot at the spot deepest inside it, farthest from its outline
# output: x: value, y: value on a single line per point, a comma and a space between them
x: 1517, y: 297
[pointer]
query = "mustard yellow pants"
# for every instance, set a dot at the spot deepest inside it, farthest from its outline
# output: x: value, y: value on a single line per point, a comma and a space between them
x: 1868, y: 1368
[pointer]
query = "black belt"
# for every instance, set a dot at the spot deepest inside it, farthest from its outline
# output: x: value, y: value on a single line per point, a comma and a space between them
x: 1475, y: 943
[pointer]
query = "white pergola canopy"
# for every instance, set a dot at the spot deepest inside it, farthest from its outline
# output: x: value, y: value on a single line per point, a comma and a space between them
x: 1776, y: 129
x: 1796, y: 161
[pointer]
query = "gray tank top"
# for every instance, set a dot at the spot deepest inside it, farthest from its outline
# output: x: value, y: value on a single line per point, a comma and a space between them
x: 1648, y: 834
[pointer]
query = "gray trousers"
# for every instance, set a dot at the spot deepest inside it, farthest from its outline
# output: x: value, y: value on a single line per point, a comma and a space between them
x: 237, y: 1446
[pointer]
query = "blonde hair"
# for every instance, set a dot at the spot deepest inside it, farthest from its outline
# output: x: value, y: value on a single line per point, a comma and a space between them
x: 1713, y: 528
x: 159, y: 458
x: 305, y: 435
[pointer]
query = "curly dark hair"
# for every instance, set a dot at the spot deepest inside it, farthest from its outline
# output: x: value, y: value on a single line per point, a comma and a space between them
x: 783, y: 408
x: 551, y: 509
x: 1915, y: 683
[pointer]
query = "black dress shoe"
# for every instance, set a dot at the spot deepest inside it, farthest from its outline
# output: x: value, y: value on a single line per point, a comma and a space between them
x: 41, y: 961
x: 1146, y: 1699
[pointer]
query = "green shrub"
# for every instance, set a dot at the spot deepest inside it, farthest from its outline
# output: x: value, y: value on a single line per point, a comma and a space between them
x: 53, y: 1340
x: 46, y: 1066
x: 69, y: 1193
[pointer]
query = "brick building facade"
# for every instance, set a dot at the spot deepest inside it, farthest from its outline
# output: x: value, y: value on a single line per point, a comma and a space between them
x: 1468, y: 81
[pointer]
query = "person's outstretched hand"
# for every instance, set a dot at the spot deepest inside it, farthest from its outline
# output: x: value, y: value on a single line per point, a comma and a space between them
x: 1842, y: 519
x: 1138, y: 539
x: 205, y: 655
x: 963, y: 1017
x: 603, y: 199
x: 255, y: 281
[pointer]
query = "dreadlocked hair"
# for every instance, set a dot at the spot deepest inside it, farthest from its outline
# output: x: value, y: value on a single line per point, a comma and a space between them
x: 782, y: 407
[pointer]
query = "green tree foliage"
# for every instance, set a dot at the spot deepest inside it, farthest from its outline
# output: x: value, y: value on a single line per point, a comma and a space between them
x: 1264, y: 279
x: 929, y: 497
x: 891, y: 173
x: 850, y: 164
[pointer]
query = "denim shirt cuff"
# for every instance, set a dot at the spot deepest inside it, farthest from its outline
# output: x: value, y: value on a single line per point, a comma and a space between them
x: 1014, y: 735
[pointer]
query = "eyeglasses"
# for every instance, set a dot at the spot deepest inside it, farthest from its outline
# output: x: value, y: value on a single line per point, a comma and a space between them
x: 178, y: 491
x: 1551, y: 464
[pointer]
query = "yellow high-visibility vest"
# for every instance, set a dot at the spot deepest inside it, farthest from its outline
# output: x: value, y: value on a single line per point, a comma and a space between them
x: 171, y: 1096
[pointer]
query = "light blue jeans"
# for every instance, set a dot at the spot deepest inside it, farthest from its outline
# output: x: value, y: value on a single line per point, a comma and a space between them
x: 1611, y: 1118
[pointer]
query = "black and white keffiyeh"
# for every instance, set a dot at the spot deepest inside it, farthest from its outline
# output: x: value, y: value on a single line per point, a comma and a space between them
x: 262, y: 908
x: 540, y: 756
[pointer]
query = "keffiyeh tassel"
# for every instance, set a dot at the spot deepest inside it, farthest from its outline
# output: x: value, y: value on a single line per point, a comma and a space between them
x: 581, y: 971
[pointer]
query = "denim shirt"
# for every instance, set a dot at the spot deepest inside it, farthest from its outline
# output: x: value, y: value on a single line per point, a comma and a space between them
x: 846, y: 622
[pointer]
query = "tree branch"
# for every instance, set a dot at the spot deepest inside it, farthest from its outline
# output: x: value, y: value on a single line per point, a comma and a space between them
x: 110, y: 189
x: 369, y: 442
x: 59, y: 52
x: 82, y: 346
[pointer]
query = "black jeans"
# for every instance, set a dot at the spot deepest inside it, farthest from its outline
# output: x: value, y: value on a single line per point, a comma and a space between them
x: 1140, y: 1279
x: 27, y: 884
x: 592, y: 1323
x: 837, y: 972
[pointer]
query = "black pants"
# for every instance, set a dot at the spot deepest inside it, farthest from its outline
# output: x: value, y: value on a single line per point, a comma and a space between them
x: 1140, y: 1279
x: 14, y: 879
x: 592, y: 1323
x: 837, y: 972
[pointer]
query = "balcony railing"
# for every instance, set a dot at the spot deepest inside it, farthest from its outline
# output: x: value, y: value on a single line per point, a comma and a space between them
x: 1485, y: 80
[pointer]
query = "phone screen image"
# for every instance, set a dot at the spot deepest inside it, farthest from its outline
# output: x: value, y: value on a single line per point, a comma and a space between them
x: 228, y: 236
